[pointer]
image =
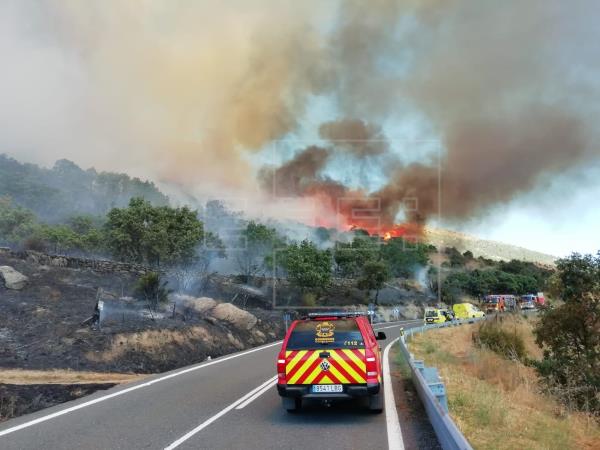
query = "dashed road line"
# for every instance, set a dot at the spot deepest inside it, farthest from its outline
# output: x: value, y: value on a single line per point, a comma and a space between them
x: 251, y: 394
x: 62, y: 412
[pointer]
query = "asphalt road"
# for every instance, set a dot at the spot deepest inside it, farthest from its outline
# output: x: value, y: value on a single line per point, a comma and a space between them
x: 227, y: 403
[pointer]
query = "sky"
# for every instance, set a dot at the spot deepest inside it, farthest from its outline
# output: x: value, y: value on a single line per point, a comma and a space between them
x: 203, y: 96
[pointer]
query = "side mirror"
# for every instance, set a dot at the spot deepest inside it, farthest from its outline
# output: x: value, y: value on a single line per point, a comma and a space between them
x: 381, y: 336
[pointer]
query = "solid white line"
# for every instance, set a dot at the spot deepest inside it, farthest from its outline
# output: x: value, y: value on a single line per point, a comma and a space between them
x: 258, y: 394
x: 130, y: 389
x: 138, y: 386
x: 394, y: 433
x: 221, y: 413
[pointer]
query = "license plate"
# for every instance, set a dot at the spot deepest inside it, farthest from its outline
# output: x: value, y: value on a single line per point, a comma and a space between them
x: 429, y: 320
x: 320, y: 388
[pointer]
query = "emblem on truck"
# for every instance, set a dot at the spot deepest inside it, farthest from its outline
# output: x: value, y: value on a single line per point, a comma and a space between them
x: 324, y: 332
x: 324, y: 365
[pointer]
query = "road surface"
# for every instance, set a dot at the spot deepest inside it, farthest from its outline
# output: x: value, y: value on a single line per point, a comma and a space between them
x: 227, y: 403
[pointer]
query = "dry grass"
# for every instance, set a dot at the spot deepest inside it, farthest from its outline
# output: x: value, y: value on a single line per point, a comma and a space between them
x: 25, y: 377
x: 497, y: 403
x: 150, y: 341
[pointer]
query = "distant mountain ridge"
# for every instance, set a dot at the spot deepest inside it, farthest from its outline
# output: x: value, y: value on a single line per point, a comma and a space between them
x: 66, y: 189
x: 494, y: 250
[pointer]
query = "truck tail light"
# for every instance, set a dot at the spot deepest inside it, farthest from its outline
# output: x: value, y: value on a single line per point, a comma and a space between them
x: 281, y: 368
x: 372, y: 369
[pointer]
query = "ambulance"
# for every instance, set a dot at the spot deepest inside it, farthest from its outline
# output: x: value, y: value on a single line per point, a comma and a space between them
x: 328, y: 357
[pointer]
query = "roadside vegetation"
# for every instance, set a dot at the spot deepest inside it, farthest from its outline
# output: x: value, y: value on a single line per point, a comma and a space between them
x: 497, y: 398
x: 570, y: 335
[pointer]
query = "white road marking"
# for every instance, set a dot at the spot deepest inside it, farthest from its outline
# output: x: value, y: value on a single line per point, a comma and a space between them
x: 62, y: 412
x: 394, y: 432
x: 396, y: 326
x: 189, y: 434
x: 130, y: 389
x: 258, y: 394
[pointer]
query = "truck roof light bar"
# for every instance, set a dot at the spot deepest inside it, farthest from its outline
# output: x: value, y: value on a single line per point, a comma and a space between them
x: 336, y: 314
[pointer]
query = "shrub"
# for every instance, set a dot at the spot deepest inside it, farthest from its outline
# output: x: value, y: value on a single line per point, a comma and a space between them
x: 508, y: 344
x: 150, y: 288
x: 309, y: 299
x: 569, y: 334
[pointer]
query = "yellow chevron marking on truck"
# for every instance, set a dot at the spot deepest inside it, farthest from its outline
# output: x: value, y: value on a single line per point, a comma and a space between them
x: 290, y: 365
x: 304, y: 367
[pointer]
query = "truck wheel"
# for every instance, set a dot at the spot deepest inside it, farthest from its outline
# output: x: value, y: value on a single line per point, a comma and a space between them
x: 291, y: 404
x: 376, y: 403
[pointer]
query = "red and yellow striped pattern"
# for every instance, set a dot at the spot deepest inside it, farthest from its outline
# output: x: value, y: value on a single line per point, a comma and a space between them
x: 346, y: 366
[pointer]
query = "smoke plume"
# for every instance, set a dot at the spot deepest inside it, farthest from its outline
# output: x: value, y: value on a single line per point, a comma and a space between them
x: 190, y: 92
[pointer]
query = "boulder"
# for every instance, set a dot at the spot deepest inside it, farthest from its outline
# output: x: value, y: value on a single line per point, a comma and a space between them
x: 235, y: 341
x: 201, y: 305
x: 235, y: 316
x: 12, y: 278
x: 259, y: 336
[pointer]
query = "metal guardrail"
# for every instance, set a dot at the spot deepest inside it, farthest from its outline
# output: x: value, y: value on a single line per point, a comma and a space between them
x: 432, y: 392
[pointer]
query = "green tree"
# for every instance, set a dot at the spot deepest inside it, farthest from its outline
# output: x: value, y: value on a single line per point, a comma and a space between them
x: 528, y: 269
x: 60, y: 238
x: 570, y: 334
x: 374, y: 275
x: 307, y: 266
x: 404, y: 257
x: 455, y: 257
x: 350, y: 257
x: 16, y: 223
x: 258, y: 245
x: 454, y: 286
x: 154, y: 235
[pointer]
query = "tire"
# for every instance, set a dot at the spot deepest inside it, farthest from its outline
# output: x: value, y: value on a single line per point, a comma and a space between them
x: 376, y: 402
x: 291, y: 404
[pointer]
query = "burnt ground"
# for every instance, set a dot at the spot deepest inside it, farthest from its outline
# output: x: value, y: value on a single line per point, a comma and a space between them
x: 41, y: 329
x: 17, y: 400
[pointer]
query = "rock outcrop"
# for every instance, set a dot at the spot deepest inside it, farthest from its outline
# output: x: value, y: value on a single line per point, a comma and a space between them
x: 235, y: 316
x: 201, y: 305
x: 12, y: 278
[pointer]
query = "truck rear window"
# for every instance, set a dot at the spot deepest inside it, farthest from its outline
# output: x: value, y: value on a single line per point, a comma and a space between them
x: 342, y: 333
x: 431, y: 313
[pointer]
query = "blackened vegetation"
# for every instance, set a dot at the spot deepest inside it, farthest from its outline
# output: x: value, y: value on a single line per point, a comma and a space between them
x: 17, y: 400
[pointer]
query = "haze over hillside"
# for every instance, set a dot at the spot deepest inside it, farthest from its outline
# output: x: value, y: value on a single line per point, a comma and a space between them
x: 498, y: 251
x: 66, y: 190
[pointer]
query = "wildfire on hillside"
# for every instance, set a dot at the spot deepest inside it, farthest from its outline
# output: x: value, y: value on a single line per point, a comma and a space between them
x: 409, y: 231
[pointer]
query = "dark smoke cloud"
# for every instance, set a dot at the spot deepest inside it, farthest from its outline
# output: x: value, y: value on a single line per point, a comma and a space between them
x: 360, y: 138
x: 184, y: 91
x: 297, y: 176
x: 510, y: 90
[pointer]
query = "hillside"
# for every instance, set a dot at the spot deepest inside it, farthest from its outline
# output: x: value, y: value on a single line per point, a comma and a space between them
x: 497, y: 251
x: 66, y: 189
